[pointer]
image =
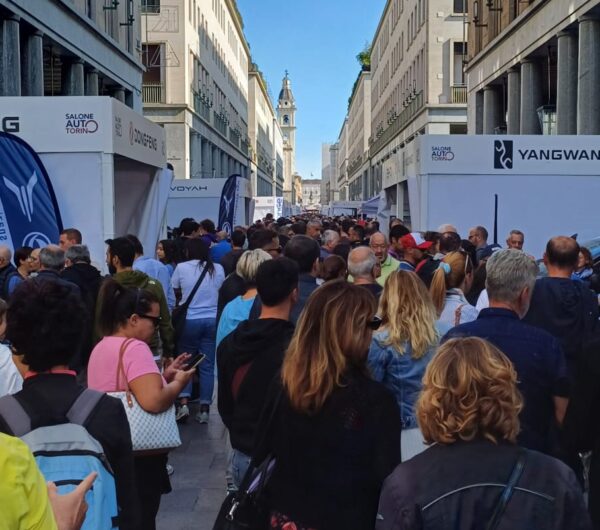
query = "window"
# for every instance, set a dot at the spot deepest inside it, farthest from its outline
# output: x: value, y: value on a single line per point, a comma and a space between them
x: 460, y: 6
x: 151, y: 6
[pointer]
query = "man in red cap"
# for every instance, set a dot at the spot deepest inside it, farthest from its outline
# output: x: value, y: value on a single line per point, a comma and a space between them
x: 413, y: 246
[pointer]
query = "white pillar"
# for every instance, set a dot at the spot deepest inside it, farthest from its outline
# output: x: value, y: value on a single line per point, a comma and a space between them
x: 588, y: 105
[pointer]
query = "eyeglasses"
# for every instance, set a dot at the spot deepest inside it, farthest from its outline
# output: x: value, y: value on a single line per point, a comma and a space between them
x: 374, y: 323
x: 155, y: 320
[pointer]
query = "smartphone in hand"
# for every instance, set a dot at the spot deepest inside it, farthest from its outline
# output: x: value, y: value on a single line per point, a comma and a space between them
x: 195, y: 361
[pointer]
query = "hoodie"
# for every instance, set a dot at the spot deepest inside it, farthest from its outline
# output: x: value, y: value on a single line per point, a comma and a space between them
x: 257, y: 347
x: 566, y: 309
x: 134, y: 280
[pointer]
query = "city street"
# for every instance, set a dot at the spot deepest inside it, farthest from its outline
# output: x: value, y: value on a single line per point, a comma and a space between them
x: 199, y: 478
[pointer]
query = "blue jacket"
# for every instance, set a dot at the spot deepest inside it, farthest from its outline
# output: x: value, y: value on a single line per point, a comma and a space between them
x: 399, y: 373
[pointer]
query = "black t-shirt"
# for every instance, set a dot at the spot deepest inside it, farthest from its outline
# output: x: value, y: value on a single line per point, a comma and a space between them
x: 373, y: 288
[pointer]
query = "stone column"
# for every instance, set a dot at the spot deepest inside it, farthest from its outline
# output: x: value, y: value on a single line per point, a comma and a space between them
x: 224, y: 164
x: 566, y: 84
x: 33, y: 66
x: 513, y: 115
x: 206, y: 163
x: 479, y: 112
x: 74, y: 79
x: 216, y: 162
x: 11, y: 57
x: 91, y: 83
x: 531, y: 97
x: 588, y: 104
x: 491, y: 109
x: 119, y: 94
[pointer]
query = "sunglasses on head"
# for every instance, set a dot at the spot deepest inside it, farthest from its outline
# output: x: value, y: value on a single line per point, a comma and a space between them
x: 374, y: 323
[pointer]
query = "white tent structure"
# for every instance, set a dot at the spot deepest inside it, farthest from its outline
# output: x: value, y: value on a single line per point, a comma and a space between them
x: 106, y: 164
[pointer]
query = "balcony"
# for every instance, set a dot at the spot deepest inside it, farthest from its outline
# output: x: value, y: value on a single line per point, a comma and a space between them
x: 153, y: 93
x: 201, y: 104
x: 458, y: 94
x: 397, y: 125
x: 220, y: 123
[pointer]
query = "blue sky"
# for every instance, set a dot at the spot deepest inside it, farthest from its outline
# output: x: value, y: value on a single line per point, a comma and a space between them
x: 317, y: 42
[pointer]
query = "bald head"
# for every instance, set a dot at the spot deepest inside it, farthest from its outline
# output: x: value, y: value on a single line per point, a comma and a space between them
x: 361, y: 264
x: 442, y: 229
x: 562, y: 253
x: 378, y: 244
x: 5, y: 256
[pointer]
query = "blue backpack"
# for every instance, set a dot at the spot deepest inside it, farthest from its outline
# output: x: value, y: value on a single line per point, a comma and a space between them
x: 67, y: 453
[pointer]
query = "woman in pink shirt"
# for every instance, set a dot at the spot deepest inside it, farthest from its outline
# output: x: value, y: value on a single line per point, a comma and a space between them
x: 133, y: 315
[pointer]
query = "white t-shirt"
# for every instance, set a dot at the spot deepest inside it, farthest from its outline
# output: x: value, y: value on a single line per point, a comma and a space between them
x: 10, y: 378
x: 483, y: 302
x: 204, y: 304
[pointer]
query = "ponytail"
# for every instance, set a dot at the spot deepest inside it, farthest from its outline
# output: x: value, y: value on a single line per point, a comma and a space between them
x: 118, y: 303
x: 449, y: 275
x: 438, y: 288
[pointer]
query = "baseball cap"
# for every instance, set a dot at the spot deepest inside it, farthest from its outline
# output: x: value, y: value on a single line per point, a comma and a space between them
x: 415, y: 240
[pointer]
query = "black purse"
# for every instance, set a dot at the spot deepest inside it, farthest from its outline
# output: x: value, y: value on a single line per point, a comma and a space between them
x: 247, y: 509
x: 179, y: 313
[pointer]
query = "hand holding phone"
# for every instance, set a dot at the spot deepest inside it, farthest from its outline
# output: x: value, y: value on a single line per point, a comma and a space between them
x: 195, y: 361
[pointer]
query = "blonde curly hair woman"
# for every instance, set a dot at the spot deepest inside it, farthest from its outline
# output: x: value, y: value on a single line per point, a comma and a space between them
x: 474, y: 475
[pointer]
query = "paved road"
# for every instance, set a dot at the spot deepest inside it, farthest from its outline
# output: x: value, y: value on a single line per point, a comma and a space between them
x: 199, y: 478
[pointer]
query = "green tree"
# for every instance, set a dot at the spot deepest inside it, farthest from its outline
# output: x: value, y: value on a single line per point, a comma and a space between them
x: 364, y: 57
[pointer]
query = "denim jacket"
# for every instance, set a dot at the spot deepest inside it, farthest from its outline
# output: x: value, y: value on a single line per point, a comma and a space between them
x: 399, y: 373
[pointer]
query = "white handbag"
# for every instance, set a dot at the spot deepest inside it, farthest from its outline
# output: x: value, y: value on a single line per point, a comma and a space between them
x: 149, y: 432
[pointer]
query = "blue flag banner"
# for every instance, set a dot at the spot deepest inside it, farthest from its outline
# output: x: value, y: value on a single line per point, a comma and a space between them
x: 29, y: 214
x: 227, y: 207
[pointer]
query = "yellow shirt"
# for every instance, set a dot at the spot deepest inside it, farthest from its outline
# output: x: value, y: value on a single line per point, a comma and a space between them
x: 24, y: 503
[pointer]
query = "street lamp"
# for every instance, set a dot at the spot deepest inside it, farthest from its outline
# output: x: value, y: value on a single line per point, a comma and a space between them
x: 547, y: 116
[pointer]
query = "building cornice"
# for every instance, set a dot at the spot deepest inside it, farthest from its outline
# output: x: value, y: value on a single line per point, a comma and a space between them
x: 387, y: 6
x: 236, y: 16
x: 263, y: 88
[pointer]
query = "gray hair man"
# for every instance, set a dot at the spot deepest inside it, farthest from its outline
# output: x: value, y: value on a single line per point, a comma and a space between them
x: 52, y: 258
x: 364, y: 267
x: 6, y: 267
x: 77, y: 254
x: 536, y: 355
x: 329, y: 241
x: 313, y: 229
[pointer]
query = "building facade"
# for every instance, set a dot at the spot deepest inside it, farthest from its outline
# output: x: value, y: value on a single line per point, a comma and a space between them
x: 71, y: 48
x: 342, y: 162
x: 266, y: 139
x: 311, y: 194
x: 196, y: 85
x: 417, y: 86
x: 534, y: 67
x: 286, y: 116
x: 359, y: 132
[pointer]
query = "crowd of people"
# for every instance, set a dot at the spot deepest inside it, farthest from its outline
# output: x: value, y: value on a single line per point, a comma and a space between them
x: 390, y: 379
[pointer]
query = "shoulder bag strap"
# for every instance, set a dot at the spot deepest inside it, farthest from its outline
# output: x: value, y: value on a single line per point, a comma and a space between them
x: 15, y: 415
x: 121, y: 371
x: 458, y: 314
x: 196, y: 287
x: 83, y: 406
x: 508, y: 491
